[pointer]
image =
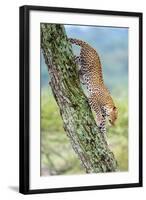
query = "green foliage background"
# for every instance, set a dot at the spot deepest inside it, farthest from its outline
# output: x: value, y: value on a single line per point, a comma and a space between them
x: 57, y: 155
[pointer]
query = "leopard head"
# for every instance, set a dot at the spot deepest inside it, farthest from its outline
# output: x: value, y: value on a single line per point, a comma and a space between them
x: 112, y: 114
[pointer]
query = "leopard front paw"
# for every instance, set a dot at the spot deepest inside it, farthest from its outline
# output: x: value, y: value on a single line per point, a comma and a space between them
x: 101, y: 126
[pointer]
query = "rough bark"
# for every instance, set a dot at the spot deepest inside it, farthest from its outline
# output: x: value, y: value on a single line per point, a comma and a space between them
x: 79, y: 124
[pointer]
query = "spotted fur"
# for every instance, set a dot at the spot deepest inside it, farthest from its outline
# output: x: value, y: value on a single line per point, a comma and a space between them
x: 91, y: 75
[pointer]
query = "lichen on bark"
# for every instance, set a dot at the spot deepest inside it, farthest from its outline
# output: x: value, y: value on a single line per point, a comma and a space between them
x: 86, y: 139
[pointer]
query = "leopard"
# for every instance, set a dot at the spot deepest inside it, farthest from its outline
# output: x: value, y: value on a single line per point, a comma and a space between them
x: 91, y: 75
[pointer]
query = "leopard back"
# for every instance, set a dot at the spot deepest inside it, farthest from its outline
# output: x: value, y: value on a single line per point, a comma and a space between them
x: 90, y: 65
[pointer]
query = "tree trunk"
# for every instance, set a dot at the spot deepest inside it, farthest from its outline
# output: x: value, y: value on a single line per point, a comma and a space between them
x: 79, y: 124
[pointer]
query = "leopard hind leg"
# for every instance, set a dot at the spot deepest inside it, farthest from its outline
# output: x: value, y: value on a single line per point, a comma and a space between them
x: 77, y: 60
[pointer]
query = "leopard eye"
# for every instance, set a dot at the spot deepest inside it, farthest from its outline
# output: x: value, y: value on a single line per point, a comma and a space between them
x: 114, y: 108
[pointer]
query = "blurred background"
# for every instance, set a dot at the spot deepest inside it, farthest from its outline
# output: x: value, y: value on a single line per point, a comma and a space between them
x: 57, y: 156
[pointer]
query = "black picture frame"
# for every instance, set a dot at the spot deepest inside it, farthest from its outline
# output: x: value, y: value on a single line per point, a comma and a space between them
x: 24, y: 148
